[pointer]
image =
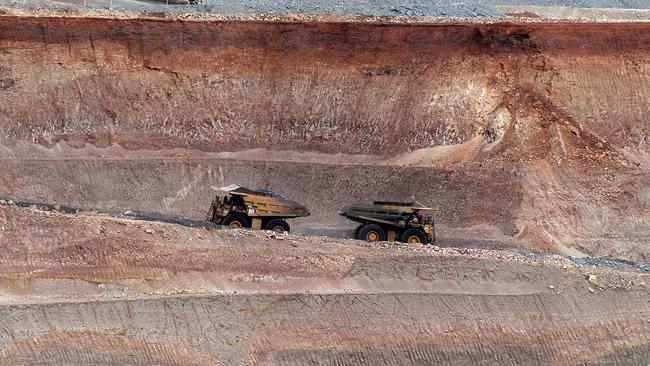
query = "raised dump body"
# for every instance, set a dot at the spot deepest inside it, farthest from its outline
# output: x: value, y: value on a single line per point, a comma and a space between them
x: 243, y: 207
x: 408, y: 222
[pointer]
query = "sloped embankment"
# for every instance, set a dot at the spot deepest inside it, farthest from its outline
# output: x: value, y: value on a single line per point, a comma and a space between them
x: 93, y: 289
x: 533, y: 133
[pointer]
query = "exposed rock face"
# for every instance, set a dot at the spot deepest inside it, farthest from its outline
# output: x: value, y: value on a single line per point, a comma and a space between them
x: 92, y: 289
x: 324, y: 87
x: 538, y: 131
x: 625, y: 4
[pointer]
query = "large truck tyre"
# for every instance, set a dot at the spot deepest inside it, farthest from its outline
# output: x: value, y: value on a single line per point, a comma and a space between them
x: 278, y: 225
x: 236, y: 220
x: 371, y: 232
x: 413, y: 235
x: 356, y: 231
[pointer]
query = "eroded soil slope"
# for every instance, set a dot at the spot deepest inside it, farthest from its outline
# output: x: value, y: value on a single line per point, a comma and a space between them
x: 535, y: 132
x: 94, y: 289
x: 350, y: 88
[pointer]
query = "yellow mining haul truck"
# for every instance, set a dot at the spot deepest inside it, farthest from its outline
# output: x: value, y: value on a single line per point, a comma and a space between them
x: 245, y: 208
x: 408, y: 222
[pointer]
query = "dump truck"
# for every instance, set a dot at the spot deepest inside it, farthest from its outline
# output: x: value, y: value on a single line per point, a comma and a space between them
x: 245, y: 208
x: 408, y: 222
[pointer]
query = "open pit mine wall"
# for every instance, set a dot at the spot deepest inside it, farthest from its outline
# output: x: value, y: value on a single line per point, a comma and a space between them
x: 182, y: 187
x: 344, y: 88
x: 337, y: 329
x: 549, y: 104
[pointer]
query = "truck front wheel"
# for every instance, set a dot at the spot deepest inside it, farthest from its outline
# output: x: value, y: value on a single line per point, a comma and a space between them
x: 413, y: 235
x: 236, y: 221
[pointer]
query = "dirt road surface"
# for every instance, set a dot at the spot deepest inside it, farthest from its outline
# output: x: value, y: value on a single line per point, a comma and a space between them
x: 95, y: 289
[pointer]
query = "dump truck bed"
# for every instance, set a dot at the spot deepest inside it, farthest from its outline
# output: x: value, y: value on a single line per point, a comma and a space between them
x: 385, y: 212
x: 265, y: 203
